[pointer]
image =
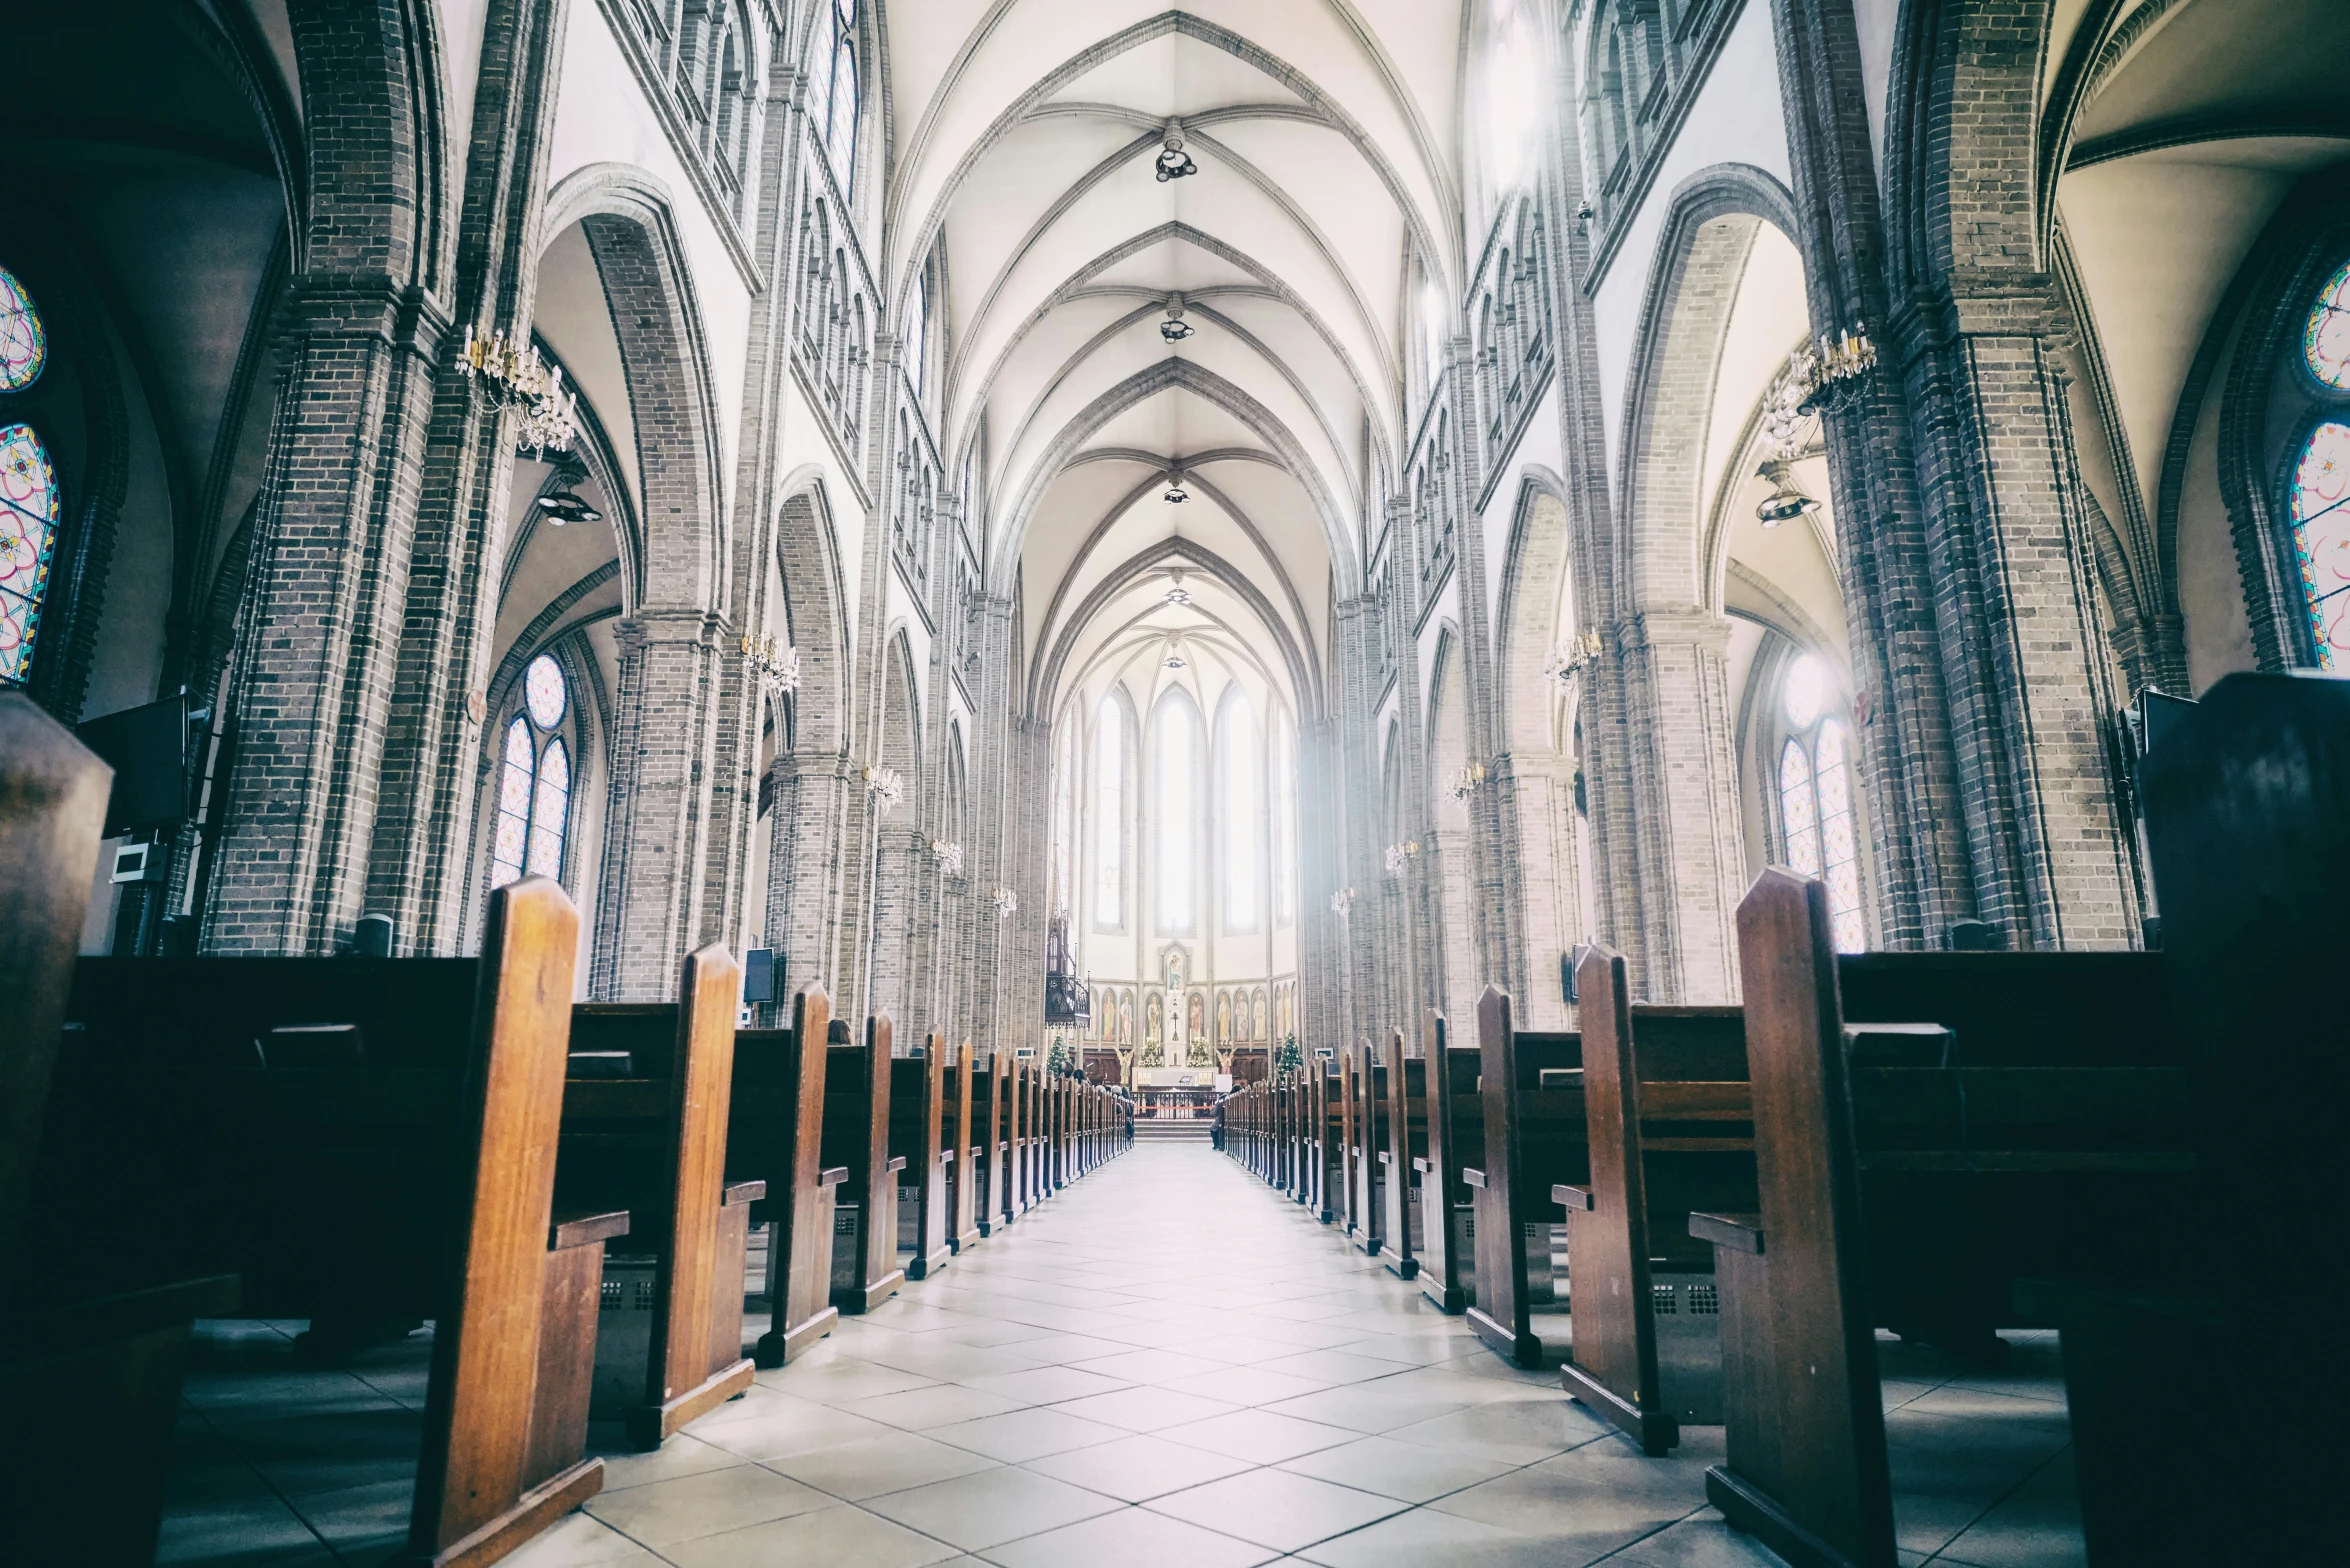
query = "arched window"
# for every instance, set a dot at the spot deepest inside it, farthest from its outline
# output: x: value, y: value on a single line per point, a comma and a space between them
x: 1286, y: 852
x: 1815, y: 798
x: 1109, y: 815
x: 1064, y: 817
x: 2319, y: 505
x: 832, y: 86
x: 1175, y: 819
x: 1241, y: 810
x: 534, y: 780
x: 917, y: 345
x: 29, y: 501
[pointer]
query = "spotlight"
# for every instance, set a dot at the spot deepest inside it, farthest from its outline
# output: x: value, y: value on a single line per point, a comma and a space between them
x: 1175, y: 329
x: 1174, y: 162
x: 561, y: 506
x: 1785, y: 501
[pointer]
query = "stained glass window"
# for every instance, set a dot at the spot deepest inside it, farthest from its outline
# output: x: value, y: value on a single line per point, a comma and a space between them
x: 1815, y: 799
x: 2326, y: 340
x: 1243, y: 803
x: 2321, y: 539
x: 544, y: 694
x: 840, y: 136
x: 1178, y: 744
x: 515, y: 777
x: 24, y: 343
x: 1109, y: 815
x: 28, y: 538
x: 534, y: 781
x: 1285, y: 821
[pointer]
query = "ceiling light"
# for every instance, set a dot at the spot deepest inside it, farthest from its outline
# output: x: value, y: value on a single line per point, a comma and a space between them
x: 1174, y: 162
x: 1178, y: 595
x: 1785, y: 502
x: 561, y: 506
x: 1175, y: 329
x: 1176, y: 495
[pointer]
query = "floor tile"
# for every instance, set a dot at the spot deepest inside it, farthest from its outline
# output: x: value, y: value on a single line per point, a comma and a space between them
x: 975, y: 1512
x: 1258, y: 1435
x: 1136, y: 1469
x: 1047, y: 1385
x: 1027, y: 1434
x: 1275, y: 1508
x: 841, y: 1536
x: 941, y: 1404
x: 1408, y: 1472
x: 668, y: 1513
x: 857, y: 1471
x: 1425, y: 1539
x: 1145, y: 1409
x: 580, y: 1541
x: 1129, y: 1538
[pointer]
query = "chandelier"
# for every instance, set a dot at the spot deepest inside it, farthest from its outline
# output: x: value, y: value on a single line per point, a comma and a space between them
x: 1175, y: 329
x: 778, y: 666
x: 1831, y: 372
x: 1464, y: 783
x: 884, y: 788
x: 1340, y: 899
x: 949, y: 856
x: 1398, y: 854
x: 512, y: 376
x: 1174, y: 163
x: 1564, y: 664
x: 1005, y: 900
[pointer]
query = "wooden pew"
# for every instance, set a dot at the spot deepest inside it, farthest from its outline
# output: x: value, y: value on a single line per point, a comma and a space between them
x: 987, y: 1134
x: 1370, y: 1173
x: 1332, y: 1124
x: 1534, y: 1140
x: 1007, y: 1136
x: 917, y: 1128
x: 775, y: 1134
x: 1671, y: 1132
x: 1455, y: 1141
x: 2001, y: 1114
x: 358, y: 1139
x: 2243, y: 807
x: 856, y: 1138
x: 964, y: 1159
x: 650, y: 1138
x: 1403, y: 1155
x: 94, y: 1382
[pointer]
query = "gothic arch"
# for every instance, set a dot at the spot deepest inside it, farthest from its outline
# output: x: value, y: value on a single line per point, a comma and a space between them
x: 1536, y: 611
x: 379, y: 164
x: 815, y: 610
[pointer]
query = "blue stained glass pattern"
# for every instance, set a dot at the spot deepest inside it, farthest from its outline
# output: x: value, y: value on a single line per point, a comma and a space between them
x: 1797, y: 811
x: 2326, y: 340
x: 544, y: 695
x: 24, y: 342
x: 2321, y: 539
x: 28, y: 538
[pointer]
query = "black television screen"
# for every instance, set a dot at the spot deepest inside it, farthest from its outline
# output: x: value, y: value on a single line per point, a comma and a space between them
x: 147, y: 748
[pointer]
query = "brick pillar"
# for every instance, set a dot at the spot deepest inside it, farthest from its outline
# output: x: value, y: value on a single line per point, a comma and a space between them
x: 320, y: 643
x: 2007, y: 548
x: 1680, y: 765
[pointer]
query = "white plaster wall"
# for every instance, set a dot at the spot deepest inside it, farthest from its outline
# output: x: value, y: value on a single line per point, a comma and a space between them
x: 1737, y: 119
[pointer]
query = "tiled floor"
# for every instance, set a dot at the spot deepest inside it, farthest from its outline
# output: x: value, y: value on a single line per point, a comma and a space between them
x: 1167, y: 1364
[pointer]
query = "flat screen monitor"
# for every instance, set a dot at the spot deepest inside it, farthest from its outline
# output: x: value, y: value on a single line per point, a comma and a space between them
x: 147, y: 748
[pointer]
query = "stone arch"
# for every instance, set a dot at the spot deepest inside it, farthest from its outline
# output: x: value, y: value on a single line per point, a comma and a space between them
x: 899, y: 842
x: 1708, y: 234
x: 1450, y: 826
x: 1536, y: 612
x: 807, y: 548
x: 631, y: 230
x: 378, y: 193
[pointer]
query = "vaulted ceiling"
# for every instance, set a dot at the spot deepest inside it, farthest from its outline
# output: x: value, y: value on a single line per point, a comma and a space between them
x: 1026, y: 136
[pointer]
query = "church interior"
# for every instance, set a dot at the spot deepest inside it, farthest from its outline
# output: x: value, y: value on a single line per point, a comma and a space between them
x: 1357, y: 782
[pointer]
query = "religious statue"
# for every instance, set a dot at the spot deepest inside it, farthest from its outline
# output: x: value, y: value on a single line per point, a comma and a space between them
x: 1150, y: 1018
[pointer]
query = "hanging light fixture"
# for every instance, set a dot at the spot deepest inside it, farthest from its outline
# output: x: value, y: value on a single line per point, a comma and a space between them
x: 1785, y: 502
x: 1178, y: 595
x: 1174, y: 659
x: 1175, y: 329
x: 563, y: 506
x: 1174, y: 162
x: 1176, y: 495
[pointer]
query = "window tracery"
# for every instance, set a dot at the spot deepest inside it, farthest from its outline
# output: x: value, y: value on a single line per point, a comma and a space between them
x: 1816, y: 818
x: 1174, y: 822
x: 1109, y: 815
x: 534, y: 780
x: 30, y: 504
x: 1240, y: 809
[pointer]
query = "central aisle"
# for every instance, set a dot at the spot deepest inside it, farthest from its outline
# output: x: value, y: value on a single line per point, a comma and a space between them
x: 1169, y: 1363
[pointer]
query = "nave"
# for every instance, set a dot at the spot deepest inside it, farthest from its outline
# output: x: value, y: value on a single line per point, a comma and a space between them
x: 1169, y: 1364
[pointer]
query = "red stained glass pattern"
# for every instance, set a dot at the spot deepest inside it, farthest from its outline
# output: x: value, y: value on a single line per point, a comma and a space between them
x: 24, y: 342
x: 2321, y: 539
x: 28, y: 538
x: 2326, y: 340
x: 544, y: 695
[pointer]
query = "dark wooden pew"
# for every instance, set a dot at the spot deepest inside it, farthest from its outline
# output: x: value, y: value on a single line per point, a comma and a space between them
x: 989, y: 1179
x: 2243, y: 808
x: 1455, y: 1142
x: 1403, y: 1155
x: 360, y: 1140
x: 1996, y: 1115
x: 1671, y: 1131
x: 1332, y: 1123
x: 917, y: 1135
x: 647, y: 1133
x: 775, y: 1134
x: 92, y: 1381
x: 856, y: 1138
x: 1535, y: 1139
x: 963, y: 1158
